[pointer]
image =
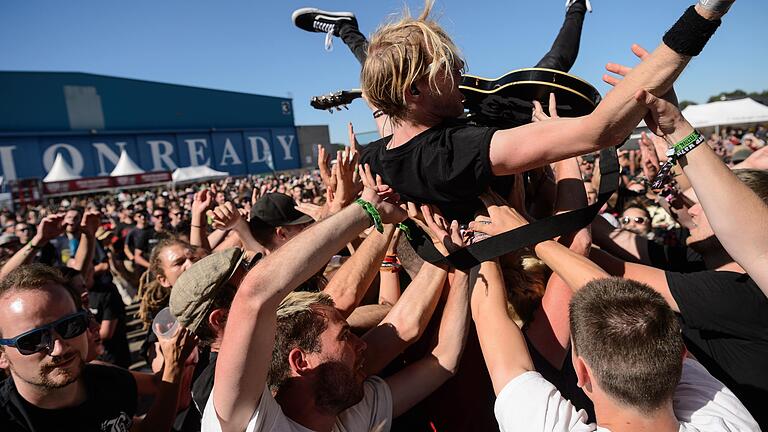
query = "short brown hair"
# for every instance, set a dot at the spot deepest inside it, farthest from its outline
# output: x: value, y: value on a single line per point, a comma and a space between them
x: 299, y: 325
x: 402, y: 52
x: 32, y: 277
x: 755, y: 179
x: 630, y: 338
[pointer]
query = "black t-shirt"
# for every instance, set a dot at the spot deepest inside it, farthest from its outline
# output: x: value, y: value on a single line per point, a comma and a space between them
x: 188, y: 420
x: 724, y: 318
x: 109, y: 406
x: 675, y: 258
x: 447, y: 165
x: 105, y: 303
x: 145, y: 240
x: 203, y: 385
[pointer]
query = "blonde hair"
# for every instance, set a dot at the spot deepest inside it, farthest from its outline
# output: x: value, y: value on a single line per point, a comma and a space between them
x: 402, y: 52
x: 302, y: 301
x: 299, y: 325
x: 525, y: 277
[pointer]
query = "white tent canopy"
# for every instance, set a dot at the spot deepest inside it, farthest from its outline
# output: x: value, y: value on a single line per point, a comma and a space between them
x: 196, y: 173
x: 125, y: 166
x: 60, y: 171
x: 726, y: 113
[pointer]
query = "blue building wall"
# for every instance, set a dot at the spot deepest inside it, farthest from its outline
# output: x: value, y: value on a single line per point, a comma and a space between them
x: 239, y: 152
x: 161, y: 126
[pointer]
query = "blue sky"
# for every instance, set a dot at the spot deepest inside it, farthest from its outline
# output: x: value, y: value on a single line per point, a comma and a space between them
x: 251, y: 46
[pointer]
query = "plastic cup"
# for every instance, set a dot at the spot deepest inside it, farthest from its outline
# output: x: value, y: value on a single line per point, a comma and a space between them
x: 165, y: 325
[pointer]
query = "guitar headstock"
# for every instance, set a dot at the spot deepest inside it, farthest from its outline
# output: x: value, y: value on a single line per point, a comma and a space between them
x: 335, y: 100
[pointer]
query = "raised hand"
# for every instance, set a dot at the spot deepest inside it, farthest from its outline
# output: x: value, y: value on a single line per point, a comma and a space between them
x: 312, y: 210
x: 383, y: 197
x: 50, y: 227
x: 225, y: 216
x: 538, y: 110
x: 444, y: 235
x: 347, y: 186
x: 649, y: 160
x: 202, y: 202
x: 502, y: 217
x: 353, y: 144
x: 622, y: 71
x: 325, y: 171
x: 177, y: 348
x: 90, y: 222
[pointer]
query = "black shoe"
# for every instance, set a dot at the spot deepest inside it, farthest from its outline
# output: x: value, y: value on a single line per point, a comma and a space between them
x: 319, y: 21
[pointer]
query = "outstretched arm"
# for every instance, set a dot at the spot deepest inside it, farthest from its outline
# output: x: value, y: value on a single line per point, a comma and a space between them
x: 408, y: 318
x: 417, y: 381
x: 612, y: 121
x: 198, y: 235
x: 49, y: 228
x: 242, y: 365
x: 737, y: 215
x: 350, y: 282
x: 504, y: 349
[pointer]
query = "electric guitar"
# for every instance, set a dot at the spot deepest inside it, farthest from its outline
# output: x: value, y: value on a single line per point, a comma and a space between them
x: 505, y: 101
x: 336, y: 100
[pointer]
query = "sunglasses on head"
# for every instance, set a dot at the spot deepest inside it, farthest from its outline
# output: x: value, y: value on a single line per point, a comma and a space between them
x: 638, y: 219
x: 41, y: 338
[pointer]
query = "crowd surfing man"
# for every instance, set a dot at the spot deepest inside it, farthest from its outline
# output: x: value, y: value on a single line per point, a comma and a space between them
x: 412, y: 73
x: 561, y: 55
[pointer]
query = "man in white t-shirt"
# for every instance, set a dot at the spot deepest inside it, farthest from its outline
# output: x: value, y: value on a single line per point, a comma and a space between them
x: 626, y: 346
x: 289, y: 361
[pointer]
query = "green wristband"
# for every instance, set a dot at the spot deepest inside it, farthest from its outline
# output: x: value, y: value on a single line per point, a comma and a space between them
x: 407, y: 231
x: 688, y: 143
x: 372, y: 213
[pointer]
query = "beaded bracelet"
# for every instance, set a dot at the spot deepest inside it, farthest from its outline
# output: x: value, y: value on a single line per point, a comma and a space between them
x: 372, y: 213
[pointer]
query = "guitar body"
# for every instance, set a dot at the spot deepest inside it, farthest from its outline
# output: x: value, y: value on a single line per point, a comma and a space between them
x: 506, y: 102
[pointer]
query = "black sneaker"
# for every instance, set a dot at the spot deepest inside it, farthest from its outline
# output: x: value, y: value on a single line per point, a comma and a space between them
x: 569, y: 3
x: 320, y: 21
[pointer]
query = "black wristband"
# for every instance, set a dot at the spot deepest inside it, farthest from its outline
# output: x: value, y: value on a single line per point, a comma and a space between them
x: 690, y: 33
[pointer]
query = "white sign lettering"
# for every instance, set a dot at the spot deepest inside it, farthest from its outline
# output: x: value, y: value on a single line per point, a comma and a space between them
x: 74, y: 154
x: 161, y: 156
x: 286, y: 141
x: 196, y: 153
x: 103, y: 151
x: 266, y: 155
x: 6, y: 161
x: 229, y: 153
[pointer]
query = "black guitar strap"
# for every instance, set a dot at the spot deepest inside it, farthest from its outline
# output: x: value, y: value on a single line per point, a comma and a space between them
x: 532, y: 233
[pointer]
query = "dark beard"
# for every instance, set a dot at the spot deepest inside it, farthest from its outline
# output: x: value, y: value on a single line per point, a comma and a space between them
x: 47, y: 383
x: 336, y: 388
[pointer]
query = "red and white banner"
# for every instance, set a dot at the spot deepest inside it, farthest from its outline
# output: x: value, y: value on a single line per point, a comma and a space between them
x: 97, y: 183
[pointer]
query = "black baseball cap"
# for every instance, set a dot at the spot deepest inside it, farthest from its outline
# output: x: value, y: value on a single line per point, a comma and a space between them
x: 276, y: 209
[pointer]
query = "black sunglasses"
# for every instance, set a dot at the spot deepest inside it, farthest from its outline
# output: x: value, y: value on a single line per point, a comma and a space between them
x: 41, y: 338
x: 638, y: 219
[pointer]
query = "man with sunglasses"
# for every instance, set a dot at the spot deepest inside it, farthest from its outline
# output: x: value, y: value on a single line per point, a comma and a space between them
x: 43, y: 344
x: 636, y: 219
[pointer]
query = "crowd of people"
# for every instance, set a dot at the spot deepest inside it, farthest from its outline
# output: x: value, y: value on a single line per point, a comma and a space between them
x: 306, y: 302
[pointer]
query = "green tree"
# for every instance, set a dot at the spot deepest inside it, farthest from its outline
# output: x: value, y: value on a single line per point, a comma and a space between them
x: 736, y: 94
